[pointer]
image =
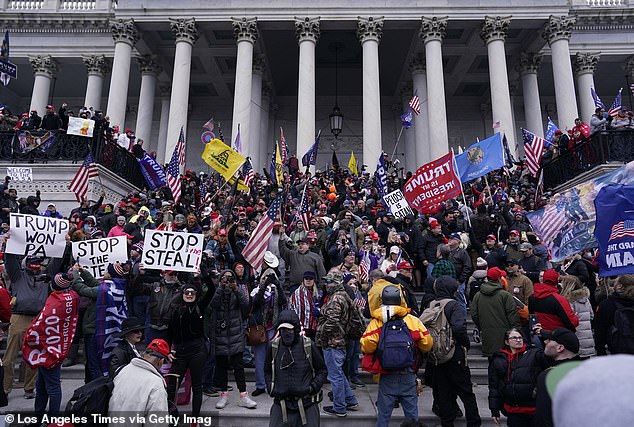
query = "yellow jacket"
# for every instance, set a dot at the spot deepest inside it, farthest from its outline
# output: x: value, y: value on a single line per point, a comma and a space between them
x: 375, y: 292
x: 370, y: 339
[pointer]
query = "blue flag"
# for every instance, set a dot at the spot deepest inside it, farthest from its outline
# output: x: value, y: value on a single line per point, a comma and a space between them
x: 380, y: 177
x: 614, y: 229
x: 550, y: 132
x: 110, y: 308
x: 481, y: 158
x: 310, y: 158
x: 152, y: 172
x: 406, y: 119
x: 272, y: 173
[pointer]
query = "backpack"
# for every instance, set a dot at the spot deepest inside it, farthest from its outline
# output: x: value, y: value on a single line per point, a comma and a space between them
x: 275, y: 344
x: 621, y: 333
x: 474, y: 288
x: 91, y: 398
x: 396, y: 349
x: 436, y: 322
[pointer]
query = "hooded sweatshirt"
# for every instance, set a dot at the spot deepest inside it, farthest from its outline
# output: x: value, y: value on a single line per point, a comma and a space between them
x: 553, y: 310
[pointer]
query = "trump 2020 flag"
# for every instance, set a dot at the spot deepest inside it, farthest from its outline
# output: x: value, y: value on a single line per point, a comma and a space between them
x: 152, y: 172
x: 481, y: 158
x: 614, y: 229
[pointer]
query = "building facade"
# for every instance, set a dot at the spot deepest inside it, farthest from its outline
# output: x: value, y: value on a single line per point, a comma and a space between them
x: 156, y: 66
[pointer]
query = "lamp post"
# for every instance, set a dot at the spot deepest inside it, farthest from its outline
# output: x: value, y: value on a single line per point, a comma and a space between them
x: 336, y: 117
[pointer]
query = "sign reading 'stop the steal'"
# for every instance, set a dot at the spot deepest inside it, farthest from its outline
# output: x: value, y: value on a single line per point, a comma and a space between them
x: 168, y: 250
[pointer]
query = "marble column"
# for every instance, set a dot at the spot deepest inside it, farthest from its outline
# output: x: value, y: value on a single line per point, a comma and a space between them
x: 529, y: 65
x: 493, y: 32
x: 585, y: 64
x: 420, y: 122
x: 265, y: 117
x: 159, y: 147
x: 125, y: 35
x: 186, y: 33
x: 97, y: 66
x: 432, y: 32
x: 245, y: 31
x: 44, y: 68
x: 149, y: 71
x: 369, y: 31
x: 557, y: 32
x: 307, y: 31
x: 257, y: 138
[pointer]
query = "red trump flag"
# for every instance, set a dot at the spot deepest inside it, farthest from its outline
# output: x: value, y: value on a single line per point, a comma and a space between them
x: 432, y: 184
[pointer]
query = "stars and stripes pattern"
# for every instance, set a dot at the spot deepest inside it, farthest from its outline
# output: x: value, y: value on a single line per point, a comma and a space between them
x: 79, y: 184
x: 622, y: 229
x: 414, y: 104
x: 534, y: 147
x: 248, y: 175
x: 304, y: 210
x: 253, y: 252
x: 553, y: 221
x: 283, y: 147
x: 616, y: 105
x: 550, y: 132
x: 173, y: 168
x: 364, y: 268
x: 597, y: 101
x: 203, y: 190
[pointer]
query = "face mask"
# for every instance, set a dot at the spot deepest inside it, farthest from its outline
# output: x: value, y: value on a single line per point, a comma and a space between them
x: 288, y: 336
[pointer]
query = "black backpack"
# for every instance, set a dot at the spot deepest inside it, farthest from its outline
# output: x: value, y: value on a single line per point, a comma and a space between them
x: 474, y: 288
x: 396, y: 349
x: 621, y: 334
x: 91, y: 398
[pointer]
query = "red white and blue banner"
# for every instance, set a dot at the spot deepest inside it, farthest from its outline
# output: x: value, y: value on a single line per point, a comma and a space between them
x: 614, y: 230
x: 433, y: 183
x: 111, y: 310
x: 152, y: 172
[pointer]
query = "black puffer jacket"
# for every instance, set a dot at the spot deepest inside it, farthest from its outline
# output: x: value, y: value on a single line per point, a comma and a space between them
x: 513, y: 379
x: 298, y: 381
x: 229, y: 308
x: 430, y: 244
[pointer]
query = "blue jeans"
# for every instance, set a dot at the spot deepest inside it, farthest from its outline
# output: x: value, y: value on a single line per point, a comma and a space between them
x: 430, y: 267
x: 460, y: 297
x: 48, y: 390
x: 342, y: 394
x: 260, y: 355
x: 353, y: 348
x: 396, y: 388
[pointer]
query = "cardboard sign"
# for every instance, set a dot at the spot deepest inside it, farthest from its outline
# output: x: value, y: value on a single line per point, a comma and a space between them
x: 95, y: 255
x: 168, y: 250
x: 81, y: 127
x: 20, y: 174
x: 35, y: 235
x: 432, y: 184
x: 398, y: 205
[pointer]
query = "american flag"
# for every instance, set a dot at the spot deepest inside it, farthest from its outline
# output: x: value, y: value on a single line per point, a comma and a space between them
x: 247, y: 173
x: 550, y: 131
x: 552, y: 222
x: 283, y: 147
x: 173, y: 168
x: 414, y: 104
x: 203, y: 189
x: 253, y: 252
x: 597, y: 101
x: 364, y: 268
x: 79, y: 184
x: 359, y: 300
x: 304, y: 210
x: 209, y: 125
x: 616, y: 105
x: 622, y: 229
x: 534, y: 147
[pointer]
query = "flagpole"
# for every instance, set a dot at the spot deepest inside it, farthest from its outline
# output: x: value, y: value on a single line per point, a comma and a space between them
x: 396, y: 145
x: 464, y: 199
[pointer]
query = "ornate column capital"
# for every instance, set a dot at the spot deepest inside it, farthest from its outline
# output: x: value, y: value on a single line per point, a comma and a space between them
x: 148, y: 65
x: 433, y: 28
x: 495, y: 28
x: 43, y: 64
x: 96, y: 64
x: 370, y: 28
x: 164, y: 90
x: 259, y: 63
x: 245, y: 29
x: 184, y: 29
x: 418, y: 64
x: 585, y: 63
x: 124, y: 30
x: 530, y: 62
x: 558, y: 28
x: 307, y: 29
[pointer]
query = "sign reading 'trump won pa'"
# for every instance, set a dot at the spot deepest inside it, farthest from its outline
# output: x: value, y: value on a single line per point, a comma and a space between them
x: 35, y: 235
x: 168, y: 250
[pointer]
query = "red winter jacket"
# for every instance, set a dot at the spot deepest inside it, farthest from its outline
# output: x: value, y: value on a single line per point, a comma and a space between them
x: 553, y: 310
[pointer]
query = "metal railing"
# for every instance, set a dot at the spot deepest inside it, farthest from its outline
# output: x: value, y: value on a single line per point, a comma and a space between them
x: 73, y: 148
x: 603, y: 147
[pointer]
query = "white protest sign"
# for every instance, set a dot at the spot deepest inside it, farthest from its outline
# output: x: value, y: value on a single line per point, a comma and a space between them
x: 168, y: 250
x: 36, y: 235
x: 95, y: 255
x: 81, y: 127
x: 20, y: 174
x: 398, y: 204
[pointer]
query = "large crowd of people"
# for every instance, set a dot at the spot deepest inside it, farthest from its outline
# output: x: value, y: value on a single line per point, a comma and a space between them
x: 325, y: 295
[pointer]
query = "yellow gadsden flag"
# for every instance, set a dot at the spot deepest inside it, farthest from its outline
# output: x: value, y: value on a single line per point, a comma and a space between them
x: 279, y: 167
x: 352, y: 164
x: 222, y: 158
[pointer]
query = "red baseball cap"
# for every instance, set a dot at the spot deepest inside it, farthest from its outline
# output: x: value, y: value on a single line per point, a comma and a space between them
x: 492, y: 237
x: 159, y: 346
x: 374, y: 235
x: 404, y: 265
x: 517, y: 233
x: 495, y: 273
x: 433, y: 222
x: 222, y: 232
